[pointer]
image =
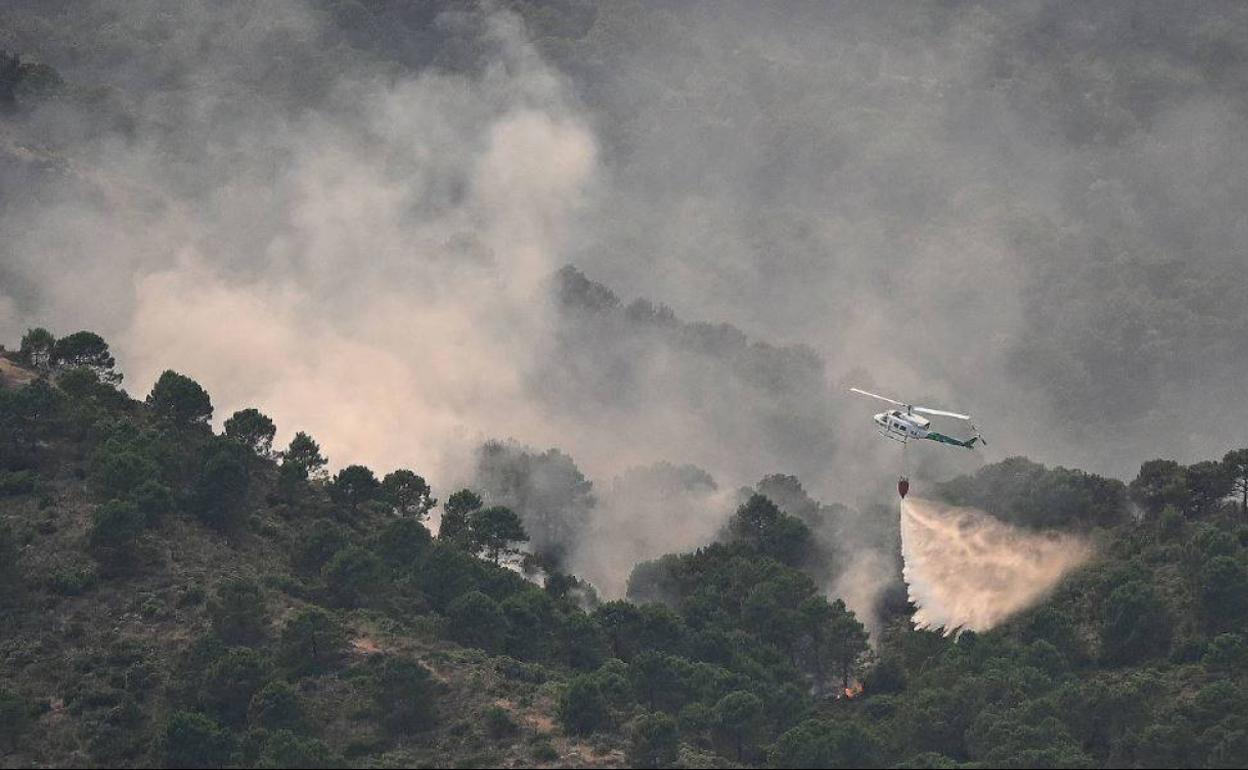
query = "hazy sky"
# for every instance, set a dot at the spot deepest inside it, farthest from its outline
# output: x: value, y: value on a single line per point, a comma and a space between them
x: 1031, y: 211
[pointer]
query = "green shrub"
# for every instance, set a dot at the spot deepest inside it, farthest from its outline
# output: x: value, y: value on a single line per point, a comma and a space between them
x: 302, y: 460
x: 277, y: 706
x: 193, y: 740
x: 446, y: 573
x: 116, y: 527
x: 1171, y: 520
x: 583, y: 707
x: 365, y: 745
x: 73, y: 580
x: 116, y: 738
x: 738, y: 716
x: 1222, y: 586
x: 544, y: 751
x: 231, y: 681
x: 653, y: 741
x: 407, y: 493
x: 86, y: 349
x: 179, y: 400
x: 353, y: 486
x: 404, y: 693
x: 253, y: 429
x: 117, y: 471
x: 284, y: 749
x: 888, y: 676
x: 14, y: 718
x: 695, y: 719
x: 13, y: 483
x: 1226, y: 653
x: 291, y: 481
x: 191, y: 596
x: 402, y: 542
x: 530, y: 673
x: 151, y: 608
x: 238, y: 611
x: 825, y: 744
x: 498, y: 723
x: 11, y: 583
x: 580, y: 642
x: 141, y: 679
x: 153, y: 500
x: 1188, y: 651
x: 204, y: 651
x: 221, y: 488
x: 475, y: 620
x: 311, y: 642
x: 80, y: 383
x: 318, y: 545
x: 36, y: 347
x: 353, y: 576
x: 91, y: 693
x: 1136, y: 624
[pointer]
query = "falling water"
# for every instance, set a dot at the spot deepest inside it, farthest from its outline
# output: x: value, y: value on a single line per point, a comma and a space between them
x: 967, y: 570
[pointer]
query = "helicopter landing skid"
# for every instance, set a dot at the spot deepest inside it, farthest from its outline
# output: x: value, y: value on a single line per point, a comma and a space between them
x: 888, y: 434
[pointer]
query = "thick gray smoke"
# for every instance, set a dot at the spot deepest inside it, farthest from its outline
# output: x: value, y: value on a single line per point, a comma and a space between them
x: 354, y: 217
x: 647, y: 512
x: 368, y: 262
x: 549, y: 491
x: 1028, y: 211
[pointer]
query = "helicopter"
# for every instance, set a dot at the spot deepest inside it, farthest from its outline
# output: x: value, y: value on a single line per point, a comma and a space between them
x: 904, y: 424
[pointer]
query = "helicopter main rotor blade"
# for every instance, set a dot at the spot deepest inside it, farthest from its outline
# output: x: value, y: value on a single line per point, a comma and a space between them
x: 882, y: 398
x: 942, y: 413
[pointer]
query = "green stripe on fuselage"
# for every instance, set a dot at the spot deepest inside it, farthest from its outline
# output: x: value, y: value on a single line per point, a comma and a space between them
x: 942, y: 438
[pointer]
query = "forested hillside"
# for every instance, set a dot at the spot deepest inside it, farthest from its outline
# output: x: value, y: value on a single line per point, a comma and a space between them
x: 1050, y: 191
x: 551, y: 303
x: 178, y: 596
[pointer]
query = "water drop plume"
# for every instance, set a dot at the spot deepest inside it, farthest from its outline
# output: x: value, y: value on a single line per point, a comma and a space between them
x: 966, y: 570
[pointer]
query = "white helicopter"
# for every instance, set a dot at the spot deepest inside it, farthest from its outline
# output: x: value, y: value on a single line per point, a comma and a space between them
x: 903, y: 424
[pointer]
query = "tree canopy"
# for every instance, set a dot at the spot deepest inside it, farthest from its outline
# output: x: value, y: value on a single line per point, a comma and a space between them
x: 85, y: 349
x: 303, y: 622
x: 253, y: 429
x: 179, y: 400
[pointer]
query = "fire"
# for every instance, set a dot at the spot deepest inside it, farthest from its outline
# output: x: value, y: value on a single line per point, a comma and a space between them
x: 854, y: 690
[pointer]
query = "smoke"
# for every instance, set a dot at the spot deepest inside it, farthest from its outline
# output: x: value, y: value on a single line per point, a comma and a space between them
x: 645, y: 513
x: 969, y: 571
x: 547, y: 490
x: 348, y: 215
x: 1026, y: 212
x: 371, y: 266
x: 867, y: 575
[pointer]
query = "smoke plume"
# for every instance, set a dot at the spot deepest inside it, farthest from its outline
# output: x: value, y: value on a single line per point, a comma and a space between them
x: 368, y: 261
x: 348, y: 215
x: 645, y: 513
x: 969, y: 571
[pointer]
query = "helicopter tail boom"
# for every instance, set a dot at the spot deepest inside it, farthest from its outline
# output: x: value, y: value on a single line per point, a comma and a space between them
x: 942, y: 438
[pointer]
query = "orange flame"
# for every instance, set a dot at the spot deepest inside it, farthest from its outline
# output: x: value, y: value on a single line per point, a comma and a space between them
x: 854, y: 690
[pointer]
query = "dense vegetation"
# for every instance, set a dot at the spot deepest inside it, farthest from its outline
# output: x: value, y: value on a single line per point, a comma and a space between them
x: 175, y: 595
x: 226, y: 603
x: 1121, y: 265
